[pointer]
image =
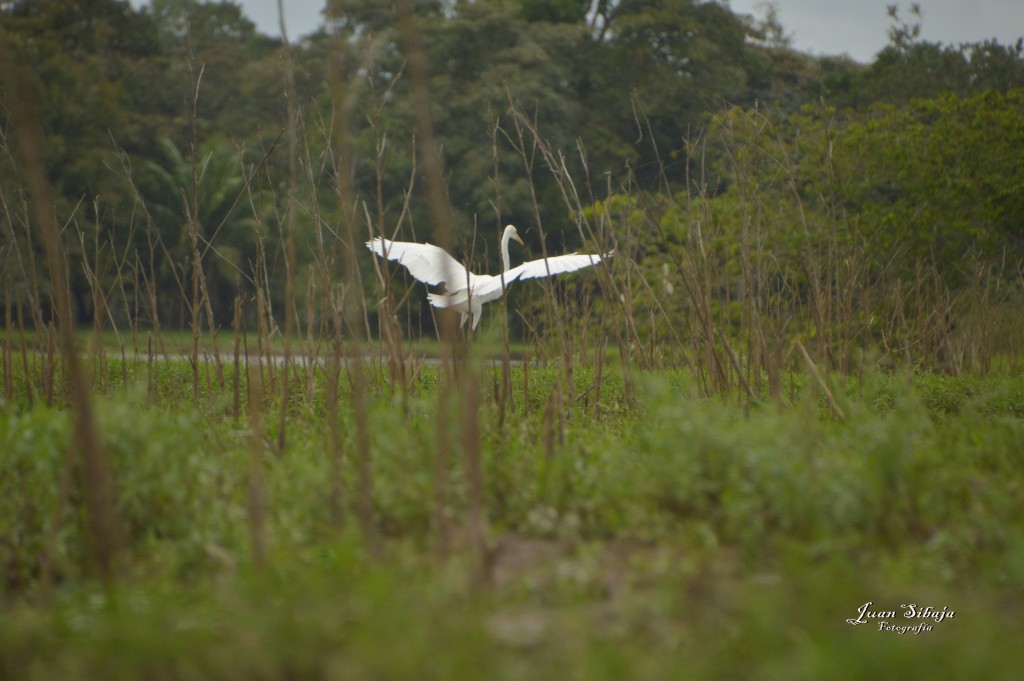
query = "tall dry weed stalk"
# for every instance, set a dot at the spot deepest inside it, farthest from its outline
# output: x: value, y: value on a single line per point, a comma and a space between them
x: 353, y: 317
x: 453, y: 353
x: 291, y: 226
x: 97, y: 482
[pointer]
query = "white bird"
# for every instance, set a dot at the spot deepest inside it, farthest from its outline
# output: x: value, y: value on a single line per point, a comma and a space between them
x: 466, y: 292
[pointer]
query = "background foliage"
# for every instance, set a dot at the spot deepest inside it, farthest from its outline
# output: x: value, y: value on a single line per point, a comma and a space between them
x: 911, y: 154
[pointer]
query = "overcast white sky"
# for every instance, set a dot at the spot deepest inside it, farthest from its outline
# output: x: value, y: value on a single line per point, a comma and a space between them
x: 858, y: 27
x: 853, y: 27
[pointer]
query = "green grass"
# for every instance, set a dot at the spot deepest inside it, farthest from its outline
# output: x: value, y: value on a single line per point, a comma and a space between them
x: 676, y: 537
x: 179, y: 342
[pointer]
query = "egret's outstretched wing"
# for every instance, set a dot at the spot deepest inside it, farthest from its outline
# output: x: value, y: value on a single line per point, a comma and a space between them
x: 556, y: 264
x: 429, y: 263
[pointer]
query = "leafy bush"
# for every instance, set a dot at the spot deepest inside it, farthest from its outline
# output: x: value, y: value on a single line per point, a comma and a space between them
x: 178, y: 489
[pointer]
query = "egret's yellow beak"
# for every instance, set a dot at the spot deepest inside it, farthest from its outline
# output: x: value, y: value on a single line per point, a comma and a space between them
x: 517, y: 238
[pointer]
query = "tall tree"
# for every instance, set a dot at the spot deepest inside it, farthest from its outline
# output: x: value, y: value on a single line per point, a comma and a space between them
x: 81, y: 56
x: 909, y: 68
x: 669, y: 61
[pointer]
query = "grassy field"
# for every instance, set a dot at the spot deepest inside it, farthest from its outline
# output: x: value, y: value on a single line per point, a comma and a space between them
x: 662, y: 535
x: 779, y: 434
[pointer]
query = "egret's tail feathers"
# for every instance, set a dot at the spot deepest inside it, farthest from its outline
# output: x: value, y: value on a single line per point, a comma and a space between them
x: 445, y: 300
x: 439, y: 299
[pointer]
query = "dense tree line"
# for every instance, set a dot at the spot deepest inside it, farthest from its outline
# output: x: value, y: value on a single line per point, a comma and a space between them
x: 150, y: 115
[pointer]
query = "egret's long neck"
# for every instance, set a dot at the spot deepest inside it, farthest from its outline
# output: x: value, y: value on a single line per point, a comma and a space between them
x: 505, y: 264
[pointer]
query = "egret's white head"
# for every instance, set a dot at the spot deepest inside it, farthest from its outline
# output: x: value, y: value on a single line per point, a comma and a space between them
x: 511, y: 233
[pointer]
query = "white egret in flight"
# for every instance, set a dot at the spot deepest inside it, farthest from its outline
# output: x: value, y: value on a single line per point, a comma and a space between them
x: 466, y: 292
